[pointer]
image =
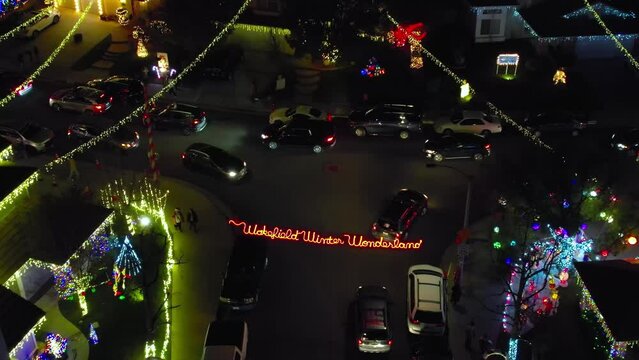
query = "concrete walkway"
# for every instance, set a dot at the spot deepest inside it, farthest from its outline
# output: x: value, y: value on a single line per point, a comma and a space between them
x: 78, y: 344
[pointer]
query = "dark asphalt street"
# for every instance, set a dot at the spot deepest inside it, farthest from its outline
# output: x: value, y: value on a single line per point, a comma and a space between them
x: 307, y: 289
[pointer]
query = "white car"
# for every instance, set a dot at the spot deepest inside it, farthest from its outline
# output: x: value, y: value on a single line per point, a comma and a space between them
x: 472, y: 122
x: 427, y: 309
x: 305, y: 112
x: 51, y: 17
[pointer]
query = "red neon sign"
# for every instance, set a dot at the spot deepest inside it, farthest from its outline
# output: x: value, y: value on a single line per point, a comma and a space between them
x: 309, y: 236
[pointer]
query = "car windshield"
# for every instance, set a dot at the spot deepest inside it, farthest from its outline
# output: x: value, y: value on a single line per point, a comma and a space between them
x: 376, y: 334
x: 429, y: 317
x: 290, y: 112
x: 30, y: 130
x: 315, y: 112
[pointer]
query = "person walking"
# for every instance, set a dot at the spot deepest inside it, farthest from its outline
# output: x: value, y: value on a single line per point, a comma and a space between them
x: 470, y: 336
x: 177, y: 218
x: 192, y: 219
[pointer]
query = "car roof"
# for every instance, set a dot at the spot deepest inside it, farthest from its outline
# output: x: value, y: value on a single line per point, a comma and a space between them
x: 407, y: 194
x: 198, y: 146
x: 429, y: 287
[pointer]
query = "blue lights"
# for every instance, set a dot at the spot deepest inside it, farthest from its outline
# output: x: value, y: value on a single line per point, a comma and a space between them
x: 512, y: 349
x: 527, y: 26
x: 603, y: 10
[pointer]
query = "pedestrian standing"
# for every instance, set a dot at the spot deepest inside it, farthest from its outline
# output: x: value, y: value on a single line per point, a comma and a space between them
x: 192, y: 219
x: 21, y: 61
x: 177, y: 218
x: 36, y: 53
x: 470, y: 336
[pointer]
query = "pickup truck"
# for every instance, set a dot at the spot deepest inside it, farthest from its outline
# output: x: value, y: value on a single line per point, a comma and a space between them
x: 226, y: 340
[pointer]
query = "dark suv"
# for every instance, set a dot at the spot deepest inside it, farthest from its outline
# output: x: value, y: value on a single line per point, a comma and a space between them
x: 557, y: 121
x: 187, y: 118
x: 121, y: 88
x: 456, y: 146
x: 241, y: 284
x: 372, y: 320
x: 317, y: 134
x: 387, y: 120
x: 399, y: 215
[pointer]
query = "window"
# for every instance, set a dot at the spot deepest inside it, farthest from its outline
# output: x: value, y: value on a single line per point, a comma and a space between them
x: 490, y: 27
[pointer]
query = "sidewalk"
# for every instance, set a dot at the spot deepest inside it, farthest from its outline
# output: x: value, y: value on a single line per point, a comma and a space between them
x: 479, y: 292
x: 201, y: 257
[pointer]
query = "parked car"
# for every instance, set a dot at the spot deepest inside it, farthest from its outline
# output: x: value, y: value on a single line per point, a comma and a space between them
x: 212, y: 160
x: 124, y: 138
x: 626, y: 140
x: 557, y: 121
x: 50, y: 16
x: 30, y: 135
x: 187, y: 118
x: 221, y: 64
x: 83, y: 99
x: 456, y: 146
x: 241, y: 284
x: 399, y: 215
x: 15, y: 83
x: 226, y: 340
x: 387, y: 120
x: 121, y: 88
x: 319, y: 135
x: 471, y: 122
x: 301, y: 112
x: 427, y: 307
x: 372, y: 320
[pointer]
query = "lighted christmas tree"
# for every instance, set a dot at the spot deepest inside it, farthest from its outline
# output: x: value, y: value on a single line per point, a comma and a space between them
x: 128, y: 259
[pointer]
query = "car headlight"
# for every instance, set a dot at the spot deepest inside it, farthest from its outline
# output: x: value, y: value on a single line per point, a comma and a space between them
x: 232, y: 173
x: 429, y: 151
x: 225, y: 299
x: 125, y: 145
x: 249, y: 300
x: 264, y: 136
x: 244, y: 164
x: 622, y: 146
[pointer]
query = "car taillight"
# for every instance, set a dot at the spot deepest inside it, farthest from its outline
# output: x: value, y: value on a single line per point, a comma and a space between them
x: 111, y: 99
x: 68, y: 132
x: 398, y: 236
x: 196, y: 121
x: 375, y: 227
x: 390, y: 342
x: 203, y: 114
x: 98, y: 107
x: 329, y: 117
x: 329, y: 139
x: 413, y: 321
x: 183, y: 156
x: 487, y: 147
x: 359, y: 342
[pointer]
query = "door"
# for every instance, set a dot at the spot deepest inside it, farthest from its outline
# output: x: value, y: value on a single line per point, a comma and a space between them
x: 295, y: 136
x: 389, y: 124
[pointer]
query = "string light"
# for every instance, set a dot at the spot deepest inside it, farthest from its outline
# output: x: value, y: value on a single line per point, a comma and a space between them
x: 45, y: 64
x: 6, y: 154
x: 140, y: 109
x: 527, y: 26
x: 27, y: 337
x: 13, y: 196
x: 604, y: 9
x: 262, y: 29
x: 618, y: 43
x: 530, y: 135
x: 15, y: 31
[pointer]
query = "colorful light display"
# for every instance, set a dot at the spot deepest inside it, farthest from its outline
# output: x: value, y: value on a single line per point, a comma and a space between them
x: 309, y: 236
x: 373, y: 69
x: 27, y: 337
x: 128, y: 259
x: 55, y: 345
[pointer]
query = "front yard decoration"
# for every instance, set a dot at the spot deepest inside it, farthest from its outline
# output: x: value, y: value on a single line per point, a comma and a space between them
x: 93, y: 335
x: 464, y: 92
x: 507, y: 65
x: 372, y: 69
x: 560, y: 77
x: 412, y: 34
x: 55, y: 346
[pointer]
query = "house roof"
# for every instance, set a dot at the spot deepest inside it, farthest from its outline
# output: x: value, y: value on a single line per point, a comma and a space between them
x: 17, y: 317
x: 608, y: 285
x: 12, y: 176
x: 569, y: 18
x: 484, y: 3
x: 50, y: 230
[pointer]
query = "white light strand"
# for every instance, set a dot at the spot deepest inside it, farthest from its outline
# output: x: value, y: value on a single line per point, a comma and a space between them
x: 530, y: 135
x: 51, y: 57
x: 612, y: 36
x: 137, y: 112
x: 22, y: 26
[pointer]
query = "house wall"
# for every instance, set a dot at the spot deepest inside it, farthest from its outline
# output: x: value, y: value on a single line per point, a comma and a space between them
x: 600, y: 48
x: 491, y: 23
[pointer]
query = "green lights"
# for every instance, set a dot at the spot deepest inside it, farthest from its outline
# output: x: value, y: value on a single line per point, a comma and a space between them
x: 6, y: 154
x: 497, y: 245
x: 13, y: 196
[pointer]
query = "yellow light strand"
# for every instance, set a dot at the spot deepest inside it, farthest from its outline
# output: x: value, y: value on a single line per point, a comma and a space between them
x: 51, y: 57
x: 22, y: 26
x: 612, y: 36
x: 10, y: 199
x: 26, y: 338
x: 461, y: 82
x: 6, y: 154
x: 137, y: 112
